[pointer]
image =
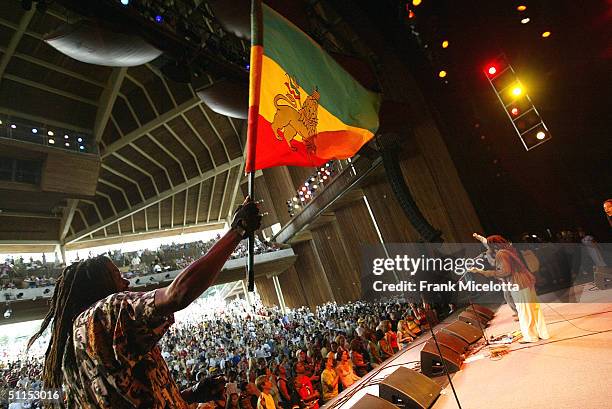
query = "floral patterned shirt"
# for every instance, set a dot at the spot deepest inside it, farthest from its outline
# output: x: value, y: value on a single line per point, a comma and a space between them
x: 118, y: 362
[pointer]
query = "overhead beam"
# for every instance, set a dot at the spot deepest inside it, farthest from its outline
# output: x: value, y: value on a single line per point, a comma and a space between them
x: 107, y: 101
x: 15, y: 39
x: 121, y: 175
x: 67, y: 218
x: 138, y: 168
x: 170, y: 154
x: 32, y: 215
x: 52, y: 90
x: 155, y: 199
x: 187, y: 148
x: 149, y: 126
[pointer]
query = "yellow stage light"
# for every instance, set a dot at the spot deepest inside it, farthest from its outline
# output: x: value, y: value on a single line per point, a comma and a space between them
x: 521, y: 8
x: 516, y: 91
x: 416, y: 2
x: 445, y: 44
x: 546, y: 34
x: 442, y: 74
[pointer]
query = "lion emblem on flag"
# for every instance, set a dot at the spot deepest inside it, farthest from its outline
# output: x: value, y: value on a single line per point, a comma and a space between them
x: 294, y: 119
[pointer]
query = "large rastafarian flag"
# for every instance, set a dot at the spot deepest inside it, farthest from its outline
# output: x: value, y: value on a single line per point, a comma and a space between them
x: 304, y: 108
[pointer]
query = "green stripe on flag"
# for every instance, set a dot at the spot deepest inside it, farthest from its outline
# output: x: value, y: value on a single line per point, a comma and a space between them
x: 302, y: 58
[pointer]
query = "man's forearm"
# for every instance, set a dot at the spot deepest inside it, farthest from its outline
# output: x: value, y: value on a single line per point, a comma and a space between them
x: 198, y: 276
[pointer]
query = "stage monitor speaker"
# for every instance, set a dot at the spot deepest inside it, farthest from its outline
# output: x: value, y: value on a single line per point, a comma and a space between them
x: 373, y: 402
x: 431, y: 361
x: 473, y: 319
x: 482, y: 311
x: 409, y: 389
x: 451, y: 341
x: 466, y: 332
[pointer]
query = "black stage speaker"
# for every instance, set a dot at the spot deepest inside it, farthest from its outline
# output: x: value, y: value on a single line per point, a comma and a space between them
x: 451, y: 341
x: 473, y: 319
x: 466, y: 332
x: 431, y: 361
x: 409, y: 389
x: 373, y: 402
x: 482, y: 311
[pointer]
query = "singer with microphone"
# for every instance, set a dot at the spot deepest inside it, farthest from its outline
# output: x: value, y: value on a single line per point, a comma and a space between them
x: 509, y: 266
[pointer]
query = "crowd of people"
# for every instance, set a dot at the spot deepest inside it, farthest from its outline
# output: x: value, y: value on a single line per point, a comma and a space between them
x: 299, y: 359
x: 17, y: 272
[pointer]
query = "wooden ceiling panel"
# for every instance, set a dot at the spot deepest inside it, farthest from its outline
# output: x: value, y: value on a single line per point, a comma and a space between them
x: 111, y: 133
x: 138, y: 101
x: 142, y: 162
x: 154, y: 151
x: 124, y: 117
x: 152, y: 217
x: 170, y: 142
x: 98, y: 234
x: 10, y: 11
x: 155, y: 87
x: 6, y: 34
x: 217, y: 196
x: 28, y: 228
x: 180, y: 92
x: 182, y: 129
x: 46, y: 104
x: 139, y: 221
x: 126, y: 225
x: 192, y: 203
x: 42, y: 24
x: 166, y: 212
x: 112, y: 229
x: 179, y: 208
x: 104, y: 206
x: 89, y: 211
x: 226, y: 132
x: 143, y: 180
x: 204, y: 200
x: 201, y: 124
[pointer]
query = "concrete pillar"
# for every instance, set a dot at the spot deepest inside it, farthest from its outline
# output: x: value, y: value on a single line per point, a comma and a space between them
x: 279, y: 294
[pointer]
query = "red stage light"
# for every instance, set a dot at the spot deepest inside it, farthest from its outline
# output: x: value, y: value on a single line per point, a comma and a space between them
x: 514, y: 111
x: 492, y: 70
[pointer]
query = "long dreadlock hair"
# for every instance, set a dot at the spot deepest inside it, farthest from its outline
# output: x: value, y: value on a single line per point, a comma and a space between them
x: 80, y: 285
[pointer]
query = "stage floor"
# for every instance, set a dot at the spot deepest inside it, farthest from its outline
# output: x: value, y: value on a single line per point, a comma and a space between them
x: 572, y: 369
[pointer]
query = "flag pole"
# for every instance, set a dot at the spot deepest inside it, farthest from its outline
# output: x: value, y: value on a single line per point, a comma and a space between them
x: 254, y: 93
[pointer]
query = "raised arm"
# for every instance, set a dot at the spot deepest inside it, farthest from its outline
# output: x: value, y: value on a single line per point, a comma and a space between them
x: 202, y: 273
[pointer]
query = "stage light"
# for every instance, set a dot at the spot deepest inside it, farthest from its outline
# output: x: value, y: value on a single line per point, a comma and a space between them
x: 525, y: 20
x: 415, y: 3
x: 514, y: 111
x: 517, y: 90
x: 0, y: 122
x: 52, y: 141
x: 445, y: 44
x: 410, y: 14
x: 50, y: 133
x: 306, y: 183
x: 82, y: 147
x: 304, y: 188
x: 492, y: 70
x: 66, y: 136
x: 125, y: 2
x: 248, y: 67
x: 13, y: 126
x: 296, y: 206
x: 442, y: 74
x: 67, y: 144
x: 295, y: 199
x: 521, y: 7
x: 301, y: 193
x: 315, y: 186
x: 159, y: 19
x: 324, y: 177
x: 540, y: 135
x: 34, y: 130
x: 546, y: 34
x: 79, y: 140
x: 302, y: 199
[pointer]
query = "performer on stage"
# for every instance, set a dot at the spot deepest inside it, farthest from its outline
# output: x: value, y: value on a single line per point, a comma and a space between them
x: 509, y: 265
x: 103, y: 346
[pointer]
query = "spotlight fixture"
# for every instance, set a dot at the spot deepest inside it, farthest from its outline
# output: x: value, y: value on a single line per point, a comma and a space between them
x: 521, y: 7
x: 525, y: 20
x: 125, y: 2
x: 442, y: 74
x: 79, y: 140
x: 416, y: 2
x: 82, y: 147
x: 159, y: 19
x: 445, y: 44
x: 514, y: 111
x: 34, y: 130
x: 516, y: 91
x: 13, y: 126
x: 66, y: 136
x: 492, y: 70
x: 51, y: 141
x: 67, y: 144
x: 546, y: 34
x: 50, y: 133
x: 0, y: 122
x: 540, y: 135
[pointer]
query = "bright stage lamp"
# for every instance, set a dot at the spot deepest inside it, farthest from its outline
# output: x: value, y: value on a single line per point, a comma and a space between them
x: 525, y: 20
x: 546, y: 34
x: 521, y: 8
x: 540, y: 135
x: 445, y: 44
x: 416, y: 2
x: 492, y: 70
x: 442, y: 74
x: 516, y: 91
x: 514, y: 111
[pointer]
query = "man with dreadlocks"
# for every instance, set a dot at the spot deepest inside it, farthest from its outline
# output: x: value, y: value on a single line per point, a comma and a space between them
x: 103, y: 345
x: 510, y: 266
